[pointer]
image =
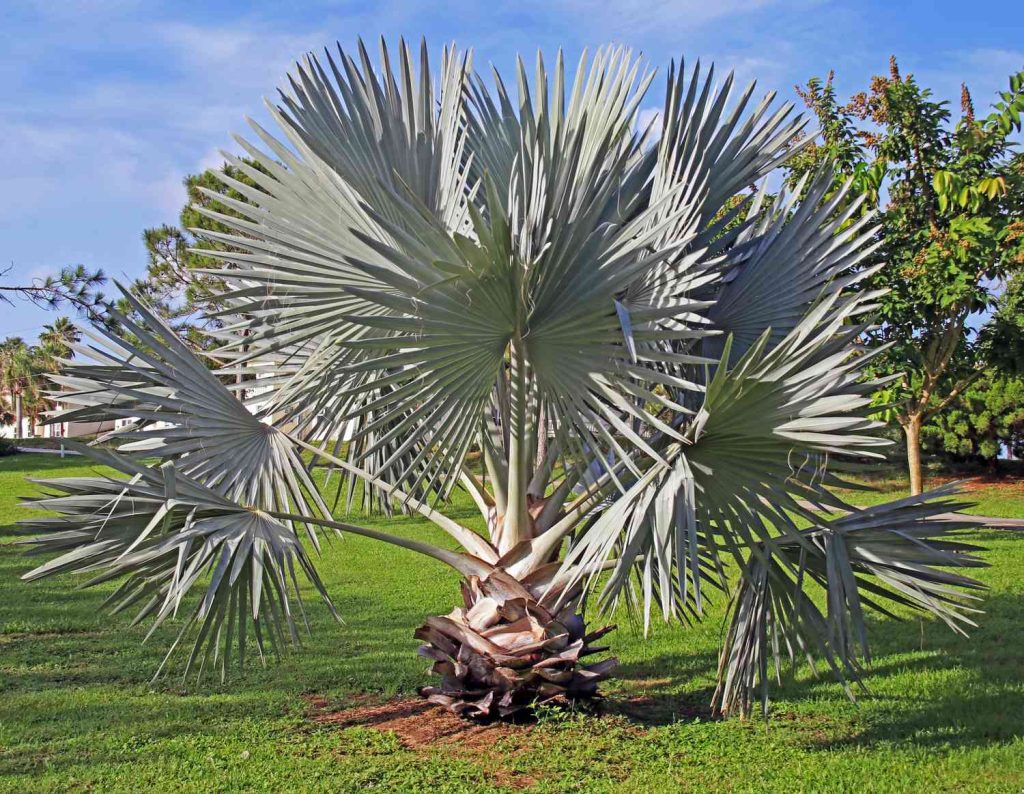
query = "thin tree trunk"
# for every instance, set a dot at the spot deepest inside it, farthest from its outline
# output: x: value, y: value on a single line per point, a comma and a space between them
x: 17, y: 416
x: 912, y: 429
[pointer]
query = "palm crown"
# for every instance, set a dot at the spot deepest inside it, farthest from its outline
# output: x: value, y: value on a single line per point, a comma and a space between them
x: 658, y: 368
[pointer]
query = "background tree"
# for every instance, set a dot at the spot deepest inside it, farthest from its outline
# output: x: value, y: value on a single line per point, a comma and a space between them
x: 25, y: 370
x: 74, y: 285
x: 984, y: 421
x: 988, y: 416
x: 949, y: 229
x: 19, y: 378
x: 55, y: 348
x: 1002, y: 338
x: 57, y: 339
x: 173, y: 283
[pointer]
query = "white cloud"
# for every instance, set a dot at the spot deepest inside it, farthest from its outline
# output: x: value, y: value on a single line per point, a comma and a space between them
x: 650, y: 117
x: 663, y: 21
x: 238, y: 56
x: 107, y: 106
x: 49, y: 159
x: 212, y: 159
x: 631, y: 17
x: 133, y: 134
x: 167, y: 193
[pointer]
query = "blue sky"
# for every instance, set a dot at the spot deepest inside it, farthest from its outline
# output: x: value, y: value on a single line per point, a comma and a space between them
x: 107, y: 104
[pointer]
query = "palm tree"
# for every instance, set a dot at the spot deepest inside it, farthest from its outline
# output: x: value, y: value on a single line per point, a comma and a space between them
x: 23, y: 367
x: 57, y: 340
x: 17, y: 377
x: 424, y: 271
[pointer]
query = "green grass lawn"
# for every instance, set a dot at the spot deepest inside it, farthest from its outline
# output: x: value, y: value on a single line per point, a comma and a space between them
x: 78, y: 711
x: 992, y: 496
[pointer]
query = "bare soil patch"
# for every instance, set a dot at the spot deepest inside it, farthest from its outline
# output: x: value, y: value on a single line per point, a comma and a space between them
x: 418, y: 724
x: 1005, y: 483
x: 994, y: 481
x: 423, y: 727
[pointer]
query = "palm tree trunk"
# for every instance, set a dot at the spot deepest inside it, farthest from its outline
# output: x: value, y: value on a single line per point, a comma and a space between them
x: 509, y: 648
x: 521, y: 456
x: 17, y: 416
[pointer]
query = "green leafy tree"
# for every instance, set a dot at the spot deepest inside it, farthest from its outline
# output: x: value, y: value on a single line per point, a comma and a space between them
x: 984, y: 421
x: 949, y: 229
x: 1002, y: 338
x: 988, y: 416
x: 25, y: 370
x: 56, y: 342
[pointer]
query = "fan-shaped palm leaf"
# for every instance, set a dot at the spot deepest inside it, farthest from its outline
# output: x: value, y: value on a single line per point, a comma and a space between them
x: 178, y: 410
x: 888, y: 553
x: 165, y: 532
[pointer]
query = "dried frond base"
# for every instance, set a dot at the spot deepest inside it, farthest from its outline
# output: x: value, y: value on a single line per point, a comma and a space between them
x: 504, y: 651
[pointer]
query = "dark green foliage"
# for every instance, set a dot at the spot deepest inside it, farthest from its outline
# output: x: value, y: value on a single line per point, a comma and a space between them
x: 1002, y: 338
x: 985, y: 419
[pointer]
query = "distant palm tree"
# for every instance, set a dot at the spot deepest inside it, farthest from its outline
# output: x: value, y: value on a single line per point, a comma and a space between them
x: 55, y: 347
x: 56, y: 341
x: 18, y: 377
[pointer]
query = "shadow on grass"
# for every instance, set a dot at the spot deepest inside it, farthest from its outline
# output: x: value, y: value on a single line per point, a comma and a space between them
x: 658, y: 691
x: 959, y: 692
x: 84, y: 699
x: 929, y: 686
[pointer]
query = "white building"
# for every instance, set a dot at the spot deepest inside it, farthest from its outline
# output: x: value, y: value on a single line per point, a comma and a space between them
x: 55, y: 430
x: 73, y: 429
